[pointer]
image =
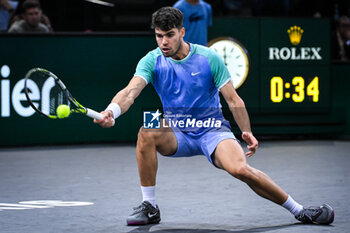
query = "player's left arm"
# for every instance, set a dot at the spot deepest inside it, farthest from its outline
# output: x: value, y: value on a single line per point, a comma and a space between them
x: 240, y: 114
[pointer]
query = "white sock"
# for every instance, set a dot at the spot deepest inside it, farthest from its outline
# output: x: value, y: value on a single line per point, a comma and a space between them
x: 149, y: 194
x: 293, y: 206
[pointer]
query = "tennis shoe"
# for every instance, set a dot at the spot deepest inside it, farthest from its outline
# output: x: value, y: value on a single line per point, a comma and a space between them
x: 323, y: 214
x: 144, y: 214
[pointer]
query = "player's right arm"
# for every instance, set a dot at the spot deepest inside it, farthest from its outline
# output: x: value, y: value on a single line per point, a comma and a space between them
x: 124, y: 99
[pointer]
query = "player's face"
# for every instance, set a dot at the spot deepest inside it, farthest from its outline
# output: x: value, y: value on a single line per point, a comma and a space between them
x: 32, y: 16
x: 169, y: 41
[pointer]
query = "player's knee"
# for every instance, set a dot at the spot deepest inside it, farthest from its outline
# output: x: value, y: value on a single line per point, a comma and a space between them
x: 240, y: 171
x: 145, y: 138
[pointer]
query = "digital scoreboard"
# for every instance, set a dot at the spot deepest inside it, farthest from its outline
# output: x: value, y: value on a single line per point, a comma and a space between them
x: 295, y: 65
x: 288, y: 61
x: 302, y: 88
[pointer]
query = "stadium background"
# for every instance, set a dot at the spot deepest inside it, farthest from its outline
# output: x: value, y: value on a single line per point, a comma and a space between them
x: 103, y: 44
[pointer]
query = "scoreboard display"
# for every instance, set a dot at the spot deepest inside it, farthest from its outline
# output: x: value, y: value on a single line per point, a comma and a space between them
x: 296, y: 88
x: 289, y: 63
x: 295, y: 65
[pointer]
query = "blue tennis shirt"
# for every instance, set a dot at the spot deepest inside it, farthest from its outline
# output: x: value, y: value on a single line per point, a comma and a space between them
x: 187, y: 87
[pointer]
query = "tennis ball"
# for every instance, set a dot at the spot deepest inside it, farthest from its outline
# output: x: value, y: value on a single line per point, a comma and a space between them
x: 63, y: 111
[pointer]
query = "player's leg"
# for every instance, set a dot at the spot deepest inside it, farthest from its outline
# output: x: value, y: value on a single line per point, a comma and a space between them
x: 230, y: 156
x: 148, y: 143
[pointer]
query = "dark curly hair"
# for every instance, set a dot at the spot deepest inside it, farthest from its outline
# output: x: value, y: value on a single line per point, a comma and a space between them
x: 28, y: 4
x: 167, y: 18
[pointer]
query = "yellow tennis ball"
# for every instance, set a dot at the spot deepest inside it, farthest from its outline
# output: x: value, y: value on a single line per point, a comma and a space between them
x: 63, y: 111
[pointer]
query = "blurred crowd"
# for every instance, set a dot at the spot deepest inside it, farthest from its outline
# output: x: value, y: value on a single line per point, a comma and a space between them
x: 341, y: 39
x: 24, y: 16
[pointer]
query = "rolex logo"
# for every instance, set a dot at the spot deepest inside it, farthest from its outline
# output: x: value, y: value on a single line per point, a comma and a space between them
x: 293, y: 52
x: 295, y: 33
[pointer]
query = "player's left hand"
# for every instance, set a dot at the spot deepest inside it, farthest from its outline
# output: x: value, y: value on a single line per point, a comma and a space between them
x: 249, y: 138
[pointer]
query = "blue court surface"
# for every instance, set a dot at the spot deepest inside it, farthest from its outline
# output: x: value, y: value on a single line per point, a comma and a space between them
x: 92, y: 188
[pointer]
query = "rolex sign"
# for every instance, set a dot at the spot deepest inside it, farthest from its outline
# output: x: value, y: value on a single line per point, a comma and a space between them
x: 295, y: 41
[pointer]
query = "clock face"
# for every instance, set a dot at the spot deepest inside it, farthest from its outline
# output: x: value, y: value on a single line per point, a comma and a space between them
x: 235, y: 58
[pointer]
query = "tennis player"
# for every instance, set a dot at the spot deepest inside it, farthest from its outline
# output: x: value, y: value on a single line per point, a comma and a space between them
x: 188, y: 78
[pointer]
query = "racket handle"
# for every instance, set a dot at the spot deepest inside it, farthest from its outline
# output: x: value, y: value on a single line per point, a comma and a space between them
x: 93, y: 114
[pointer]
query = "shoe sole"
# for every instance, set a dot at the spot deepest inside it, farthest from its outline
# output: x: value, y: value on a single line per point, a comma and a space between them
x: 139, y: 223
x: 136, y: 223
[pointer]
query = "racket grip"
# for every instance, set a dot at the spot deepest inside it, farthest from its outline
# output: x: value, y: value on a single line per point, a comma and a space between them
x: 93, y: 114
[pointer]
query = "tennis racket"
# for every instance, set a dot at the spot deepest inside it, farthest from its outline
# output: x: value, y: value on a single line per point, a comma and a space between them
x: 54, y: 94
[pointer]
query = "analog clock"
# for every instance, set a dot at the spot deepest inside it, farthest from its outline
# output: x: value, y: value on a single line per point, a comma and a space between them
x: 235, y: 57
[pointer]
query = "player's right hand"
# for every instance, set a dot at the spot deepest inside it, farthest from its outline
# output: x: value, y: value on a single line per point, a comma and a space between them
x: 107, y: 121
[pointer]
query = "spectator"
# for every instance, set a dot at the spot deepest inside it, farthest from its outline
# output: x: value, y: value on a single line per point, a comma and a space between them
x: 341, y: 39
x: 31, y: 19
x: 19, y: 12
x: 197, y: 18
x: 6, y: 8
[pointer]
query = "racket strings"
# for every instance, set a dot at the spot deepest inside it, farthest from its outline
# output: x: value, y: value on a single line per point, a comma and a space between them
x: 52, y: 94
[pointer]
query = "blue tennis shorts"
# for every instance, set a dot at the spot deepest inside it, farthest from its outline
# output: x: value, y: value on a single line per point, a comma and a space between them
x: 205, y: 144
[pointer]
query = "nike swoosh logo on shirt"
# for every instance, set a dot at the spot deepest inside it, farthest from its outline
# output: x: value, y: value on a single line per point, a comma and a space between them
x: 193, y: 74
